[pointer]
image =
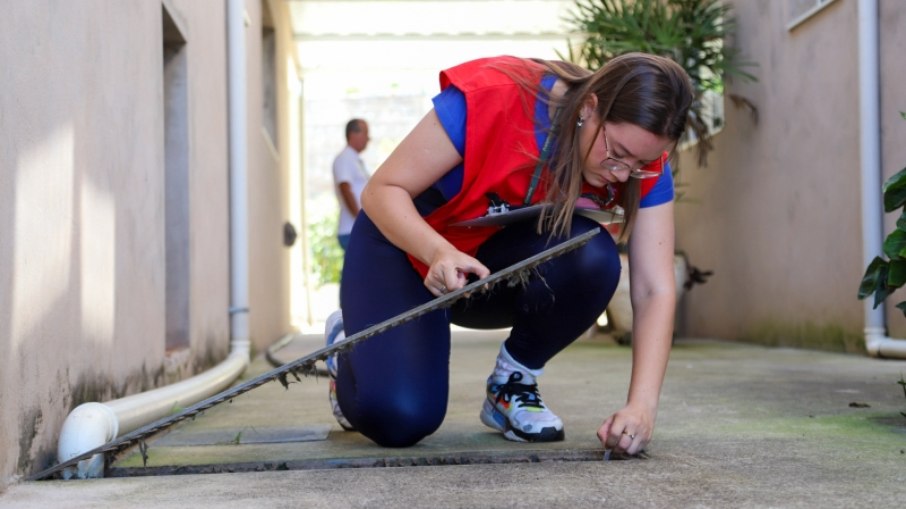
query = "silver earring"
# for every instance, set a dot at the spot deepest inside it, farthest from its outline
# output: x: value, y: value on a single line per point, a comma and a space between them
x: 580, y: 122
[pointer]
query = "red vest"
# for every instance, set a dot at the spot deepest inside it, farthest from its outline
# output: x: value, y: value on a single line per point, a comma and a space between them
x: 501, y: 151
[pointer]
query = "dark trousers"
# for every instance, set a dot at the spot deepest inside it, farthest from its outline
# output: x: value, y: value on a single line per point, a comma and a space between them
x: 393, y: 387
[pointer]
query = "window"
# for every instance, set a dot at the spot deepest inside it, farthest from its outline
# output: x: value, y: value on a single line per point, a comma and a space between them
x: 269, y: 77
x: 798, y: 11
x: 176, y: 183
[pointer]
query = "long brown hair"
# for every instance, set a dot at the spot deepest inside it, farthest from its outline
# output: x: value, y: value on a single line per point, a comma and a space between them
x: 645, y: 90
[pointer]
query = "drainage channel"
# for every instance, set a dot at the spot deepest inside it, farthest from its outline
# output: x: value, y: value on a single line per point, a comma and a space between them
x: 460, y: 458
x: 274, y: 429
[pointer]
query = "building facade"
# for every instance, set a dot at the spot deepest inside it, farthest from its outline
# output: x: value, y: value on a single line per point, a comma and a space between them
x: 115, y: 204
x: 776, y: 213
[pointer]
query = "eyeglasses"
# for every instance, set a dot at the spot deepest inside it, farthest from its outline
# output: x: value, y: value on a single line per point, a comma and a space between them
x: 614, y: 165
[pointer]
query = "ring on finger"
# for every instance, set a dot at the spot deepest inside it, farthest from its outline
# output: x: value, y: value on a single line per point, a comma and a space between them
x: 631, y: 436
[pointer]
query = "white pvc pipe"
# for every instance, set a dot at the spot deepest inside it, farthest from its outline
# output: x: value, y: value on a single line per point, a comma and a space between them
x: 92, y: 425
x: 239, y: 245
x: 877, y: 344
x: 88, y: 426
x: 876, y: 341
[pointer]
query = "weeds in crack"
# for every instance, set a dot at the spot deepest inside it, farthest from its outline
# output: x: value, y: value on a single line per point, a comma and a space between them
x: 902, y: 383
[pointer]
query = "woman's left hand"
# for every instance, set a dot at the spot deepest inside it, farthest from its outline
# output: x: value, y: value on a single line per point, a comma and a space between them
x: 628, y: 431
x: 653, y: 293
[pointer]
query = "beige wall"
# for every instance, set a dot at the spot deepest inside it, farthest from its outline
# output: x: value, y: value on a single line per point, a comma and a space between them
x: 778, y: 218
x: 82, y: 209
x: 204, y: 24
x: 269, y: 270
x: 81, y: 216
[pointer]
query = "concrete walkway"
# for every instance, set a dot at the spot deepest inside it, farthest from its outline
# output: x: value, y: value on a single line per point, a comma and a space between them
x: 739, y: 426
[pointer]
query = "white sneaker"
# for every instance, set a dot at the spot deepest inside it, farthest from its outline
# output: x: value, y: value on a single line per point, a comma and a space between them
x: 515, y: 409
x: 513, y: 405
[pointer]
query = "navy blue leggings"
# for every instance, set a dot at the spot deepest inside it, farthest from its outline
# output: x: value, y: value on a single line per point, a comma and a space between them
x: 393, y: 387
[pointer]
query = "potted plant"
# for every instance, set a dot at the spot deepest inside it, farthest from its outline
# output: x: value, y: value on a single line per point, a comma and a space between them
x: 697, y: 34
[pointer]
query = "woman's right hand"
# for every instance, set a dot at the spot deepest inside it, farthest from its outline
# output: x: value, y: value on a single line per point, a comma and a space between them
x: 423, y: 157
x: 449, y: 270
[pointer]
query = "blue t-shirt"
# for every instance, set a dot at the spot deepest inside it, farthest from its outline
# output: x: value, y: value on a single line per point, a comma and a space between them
x: 450, y: 106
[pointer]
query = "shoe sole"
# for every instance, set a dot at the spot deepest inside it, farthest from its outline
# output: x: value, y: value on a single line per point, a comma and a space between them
x: 493, y: 418
x: 335, y: 407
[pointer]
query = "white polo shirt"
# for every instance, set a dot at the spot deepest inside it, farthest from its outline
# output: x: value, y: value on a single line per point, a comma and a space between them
x: 348, y: 167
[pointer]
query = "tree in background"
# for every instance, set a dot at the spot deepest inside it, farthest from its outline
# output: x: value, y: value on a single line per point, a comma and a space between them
x: 697, y: 34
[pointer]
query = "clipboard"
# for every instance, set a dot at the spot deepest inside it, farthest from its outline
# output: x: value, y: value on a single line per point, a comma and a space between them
x: 503, y: 218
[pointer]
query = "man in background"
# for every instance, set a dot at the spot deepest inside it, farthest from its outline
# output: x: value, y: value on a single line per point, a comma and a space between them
x: 350, y: 177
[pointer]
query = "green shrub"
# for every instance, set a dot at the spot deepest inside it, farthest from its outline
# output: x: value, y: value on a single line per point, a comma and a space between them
x: 884, y: 276
x: 327, y: 255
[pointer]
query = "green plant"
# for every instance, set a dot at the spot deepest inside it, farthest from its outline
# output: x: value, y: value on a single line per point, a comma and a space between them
x: 326, y: 251
x: 883, y: 276
x: 902, y: 383
x: 694, y: 33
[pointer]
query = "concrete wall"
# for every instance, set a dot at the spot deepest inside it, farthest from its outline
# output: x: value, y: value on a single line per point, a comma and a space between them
x: 84, y: 201
x: 269, y: 176
x: 778, y: 211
